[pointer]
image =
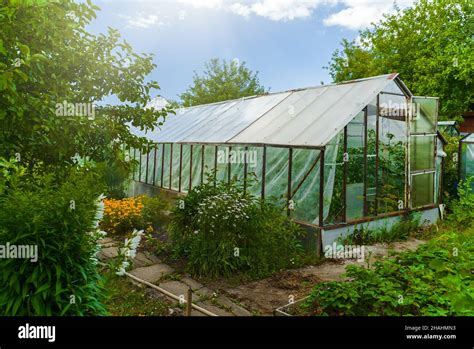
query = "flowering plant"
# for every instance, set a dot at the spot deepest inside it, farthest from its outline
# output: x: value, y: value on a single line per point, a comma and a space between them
x: 128, y: 252
x: 122, y: 216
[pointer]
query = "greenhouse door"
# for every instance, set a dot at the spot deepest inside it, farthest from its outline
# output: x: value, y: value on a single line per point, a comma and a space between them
x: 422, y: 150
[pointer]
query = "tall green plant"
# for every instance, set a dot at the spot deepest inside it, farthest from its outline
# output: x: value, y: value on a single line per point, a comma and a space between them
x: 60, y: 220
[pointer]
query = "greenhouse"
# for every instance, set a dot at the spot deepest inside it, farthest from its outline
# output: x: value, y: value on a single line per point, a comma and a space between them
x: 466, y: 156
x: 332, y: 156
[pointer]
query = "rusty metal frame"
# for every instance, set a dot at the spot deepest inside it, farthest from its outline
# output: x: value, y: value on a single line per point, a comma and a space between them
x: 180, y: 166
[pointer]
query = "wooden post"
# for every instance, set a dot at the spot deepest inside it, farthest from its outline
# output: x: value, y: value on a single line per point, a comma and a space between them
x: 189, y: 302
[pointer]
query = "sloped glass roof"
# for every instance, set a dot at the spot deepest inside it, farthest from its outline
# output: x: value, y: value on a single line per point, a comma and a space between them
x: 307, y: 117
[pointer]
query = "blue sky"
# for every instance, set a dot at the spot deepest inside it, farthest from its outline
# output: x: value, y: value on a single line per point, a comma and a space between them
x: 287, y: 41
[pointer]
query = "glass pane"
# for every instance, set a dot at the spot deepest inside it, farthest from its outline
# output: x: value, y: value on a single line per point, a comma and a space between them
x: 166, y: 166
x: 422, y: 152
x: 144, y: 156
x: 392, y: 149
x: 372, y: 176
x: 197, y: 158
x: 355, y: 173
x: 223, y: 156
x: 305, y: 185
x: 276, y: 176
x: 422, y: 189
x: 159, y: 149
x: 176, y: 161
x: 209, y: 160
x: 185, y: 168
x: 151, y: 161
x: 333, y: 180
x: 236, y: 160
x: 467, y: 161
x: 424, y: 115
x: 254, y: 170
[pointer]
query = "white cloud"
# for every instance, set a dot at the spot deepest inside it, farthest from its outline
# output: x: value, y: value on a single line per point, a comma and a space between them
x: 352, y: 14
x: 142, y: 21
x: 358, y: 14
x: 203, y: 3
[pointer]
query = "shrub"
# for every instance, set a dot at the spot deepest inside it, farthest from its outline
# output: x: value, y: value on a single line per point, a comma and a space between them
x: 463, y: 208
x: 154, y: 211
x: 434, y: 280
x: 222, y: 230
x: 57, y: 217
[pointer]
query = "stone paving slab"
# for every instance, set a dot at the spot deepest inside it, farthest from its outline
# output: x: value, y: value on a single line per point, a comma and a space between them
x: 152, y: 273
x: 108, y: 253
x: 213, y: 309
x: 142, y: 260
x: 235, y: 308
x: 176, y: 287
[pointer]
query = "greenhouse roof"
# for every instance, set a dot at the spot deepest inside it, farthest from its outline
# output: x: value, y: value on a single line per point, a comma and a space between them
x: 308, y: 117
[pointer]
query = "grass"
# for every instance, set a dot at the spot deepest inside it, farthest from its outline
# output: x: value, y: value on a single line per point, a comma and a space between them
x: 126, y: 299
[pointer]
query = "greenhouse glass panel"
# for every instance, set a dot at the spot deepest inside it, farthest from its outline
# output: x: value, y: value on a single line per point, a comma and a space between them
x: 305, y: 185
x: 422, y: 152
x: 159, y: 149
x: 185, y: 167
x: 467, y: 161
x: 151, y: 161
x: 254, y: 170
x: 333, y: 180
x: 144, y: 156
x: 209, y: 161
x: 175, y: 169
x: 372, y: 176
x: 237, y: 160
x: 197, y: 165
x: 223, y: 155
x: 424, y: 115
x: 166, y: 165
x: 392, y: 151
x: 355, y: 173
x: 422, y: 189
x: 276, y: 176
x: 135, y: 158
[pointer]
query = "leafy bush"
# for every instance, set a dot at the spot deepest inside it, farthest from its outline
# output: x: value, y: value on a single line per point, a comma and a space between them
x: 222, y: 230
x: 434, y: 280
x: 398, y: 232
x: 155, y: 211
x: 463, y: 208
x: 57, y: 218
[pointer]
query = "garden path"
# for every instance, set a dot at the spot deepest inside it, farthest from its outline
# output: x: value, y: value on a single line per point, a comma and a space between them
x: 151, y: 269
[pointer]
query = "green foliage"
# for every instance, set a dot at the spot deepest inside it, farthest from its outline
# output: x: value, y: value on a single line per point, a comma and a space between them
x: 155, y: 211
x: 451, y: 173
x: 463, y: 208
x: 126, y: 299
x: 434, y: 280
x: 222, y: 81
x: 36, y: 210
x: 47, y: 58
x: 222, y: 230
x: 429, y: 44
x: 399, y: 231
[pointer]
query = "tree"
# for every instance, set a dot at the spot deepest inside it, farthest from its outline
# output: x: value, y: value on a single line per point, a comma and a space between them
x: 429, y: 44
x: 49, y: 66
x: 222, y: 81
